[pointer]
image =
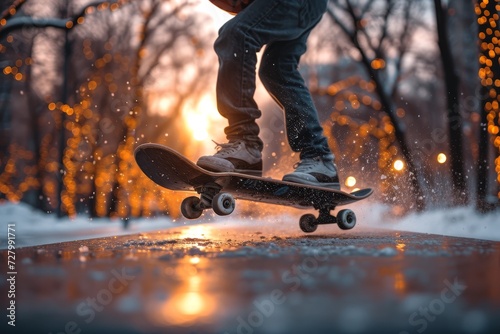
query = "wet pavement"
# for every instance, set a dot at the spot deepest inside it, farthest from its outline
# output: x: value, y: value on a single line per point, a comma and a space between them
x: 263, y: 278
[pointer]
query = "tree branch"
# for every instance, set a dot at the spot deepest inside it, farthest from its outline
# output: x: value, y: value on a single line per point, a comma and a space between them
x: 12, y: 10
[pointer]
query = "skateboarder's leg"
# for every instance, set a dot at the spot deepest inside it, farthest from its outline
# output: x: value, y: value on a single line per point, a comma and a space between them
x: 282, y: 79
x: 263, y: 22
x: 280, y: 76
x: 236, y: 82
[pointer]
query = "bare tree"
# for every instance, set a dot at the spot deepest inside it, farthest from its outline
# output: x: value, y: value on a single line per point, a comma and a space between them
x: 116, y: 55
x: 379, y: 42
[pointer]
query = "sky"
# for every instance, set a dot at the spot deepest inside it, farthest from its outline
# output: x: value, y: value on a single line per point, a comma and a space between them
x: 219, y: 16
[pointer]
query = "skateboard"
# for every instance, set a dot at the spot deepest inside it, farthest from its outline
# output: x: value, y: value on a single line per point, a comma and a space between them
x: 218, y: 191
x: 233, y: 7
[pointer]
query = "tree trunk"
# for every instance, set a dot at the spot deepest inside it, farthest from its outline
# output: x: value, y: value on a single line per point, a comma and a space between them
x: 490, y: 95
x: 34, y: 104
x: 388, y: 107
x: 459, y: 192
x: 62, y: 134
x: 399, y: 133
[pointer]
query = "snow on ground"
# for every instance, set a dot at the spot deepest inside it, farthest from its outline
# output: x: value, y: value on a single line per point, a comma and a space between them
x: 35, y: 228
x: 458, y: 222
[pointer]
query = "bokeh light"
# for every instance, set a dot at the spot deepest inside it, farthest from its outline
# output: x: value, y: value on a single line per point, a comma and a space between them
x: 441, y: 158
x: 399, y: 165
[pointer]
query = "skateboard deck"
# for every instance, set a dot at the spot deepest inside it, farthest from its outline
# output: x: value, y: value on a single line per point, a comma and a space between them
x: 171, y: 170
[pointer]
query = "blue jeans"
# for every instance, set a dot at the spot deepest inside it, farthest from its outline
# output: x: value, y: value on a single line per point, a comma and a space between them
x: 283, y: 26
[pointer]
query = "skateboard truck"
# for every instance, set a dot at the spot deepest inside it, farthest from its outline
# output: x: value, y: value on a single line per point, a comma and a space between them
x: 222, y: 203
x: 345, y: 219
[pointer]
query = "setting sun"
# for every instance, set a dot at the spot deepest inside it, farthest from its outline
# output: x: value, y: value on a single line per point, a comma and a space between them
x: 198, y: 119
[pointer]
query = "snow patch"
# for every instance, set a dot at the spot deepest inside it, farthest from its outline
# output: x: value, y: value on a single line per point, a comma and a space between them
x: 33, y: 227
x: 458, y: 222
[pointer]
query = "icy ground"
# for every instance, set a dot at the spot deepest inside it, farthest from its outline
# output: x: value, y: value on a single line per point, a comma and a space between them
x: 256, y: 272
x: 36, y: 228
x: 457, y: 222
x: 33, y: 227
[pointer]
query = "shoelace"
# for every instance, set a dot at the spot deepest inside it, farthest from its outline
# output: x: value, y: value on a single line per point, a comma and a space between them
x: 307, y: 163
x: 228, y: 147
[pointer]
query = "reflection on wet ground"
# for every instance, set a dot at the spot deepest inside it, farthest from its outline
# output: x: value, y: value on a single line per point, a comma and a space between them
x: 227, y: 279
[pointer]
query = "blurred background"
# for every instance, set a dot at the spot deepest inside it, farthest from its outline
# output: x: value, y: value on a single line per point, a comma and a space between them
x: 407, y: 91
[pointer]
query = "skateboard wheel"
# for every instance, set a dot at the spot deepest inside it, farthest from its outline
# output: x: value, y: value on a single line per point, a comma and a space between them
x: 346, y: 219
x: 223, y: 204
x: 308, y: 223
x: 190, y: 207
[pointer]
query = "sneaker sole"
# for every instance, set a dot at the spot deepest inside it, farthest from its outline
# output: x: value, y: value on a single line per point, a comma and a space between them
x: 215, y: 167
x: 249, y: 172
x: 219, y: 168
x: 332, y: 185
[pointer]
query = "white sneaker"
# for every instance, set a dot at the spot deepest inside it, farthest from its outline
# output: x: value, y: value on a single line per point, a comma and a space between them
x: 319, y: 171
x: 235, y: 156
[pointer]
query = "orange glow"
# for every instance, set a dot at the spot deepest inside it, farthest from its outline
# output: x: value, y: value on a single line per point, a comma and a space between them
x: 201, y: 118
x: 92, y: 85
x: 490, y: 55
x: 189, y: 302
x: 197, y: 232
x: 401, y: 246
x: 378, y: 64
x: 399, y: 282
